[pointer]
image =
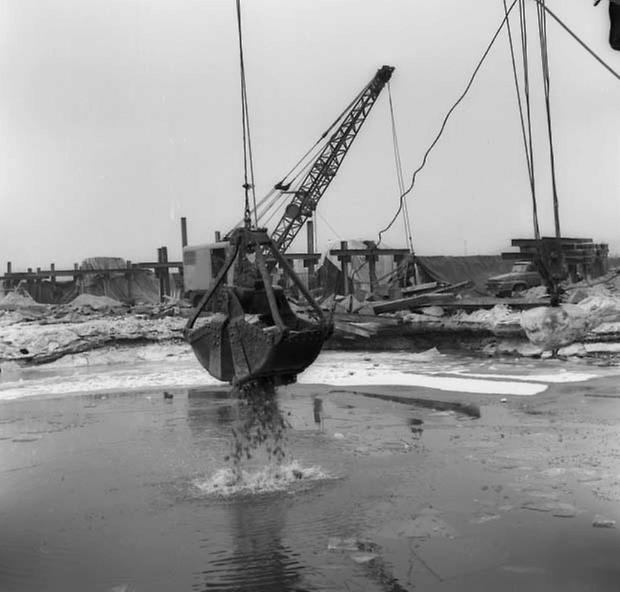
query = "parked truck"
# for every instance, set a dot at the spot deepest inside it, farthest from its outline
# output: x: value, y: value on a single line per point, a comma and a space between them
x: 521, y: 277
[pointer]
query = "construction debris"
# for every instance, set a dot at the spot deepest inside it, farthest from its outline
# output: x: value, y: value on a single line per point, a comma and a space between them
x: 588, y: 325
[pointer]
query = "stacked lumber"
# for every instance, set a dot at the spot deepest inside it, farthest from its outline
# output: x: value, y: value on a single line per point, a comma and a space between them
x: 422, y: 296
x: 576, y: 251
x: 357, y: 325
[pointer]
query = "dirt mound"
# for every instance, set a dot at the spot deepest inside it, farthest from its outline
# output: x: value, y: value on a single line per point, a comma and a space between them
x: 18, y: 298
x: 95, y: 302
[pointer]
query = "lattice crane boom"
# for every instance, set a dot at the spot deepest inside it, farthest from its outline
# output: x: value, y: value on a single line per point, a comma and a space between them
x: 306, y: 197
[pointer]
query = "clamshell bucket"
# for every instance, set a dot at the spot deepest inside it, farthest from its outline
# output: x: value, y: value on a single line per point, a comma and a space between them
x: 252, y: 333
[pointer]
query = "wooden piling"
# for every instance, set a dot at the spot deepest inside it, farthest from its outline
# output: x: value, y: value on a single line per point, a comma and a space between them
x: 372, y: 271
x: 165, y: 271
x: 344, y: 263
x: 309, y: 263
x: 183, y: 232
x: 159, y: 276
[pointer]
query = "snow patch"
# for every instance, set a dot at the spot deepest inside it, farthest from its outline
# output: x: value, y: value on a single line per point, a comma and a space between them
x: 346, y: 377
x: 560, y: 377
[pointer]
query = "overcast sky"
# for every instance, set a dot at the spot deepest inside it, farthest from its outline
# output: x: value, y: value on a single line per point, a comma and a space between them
x: 117, y: 117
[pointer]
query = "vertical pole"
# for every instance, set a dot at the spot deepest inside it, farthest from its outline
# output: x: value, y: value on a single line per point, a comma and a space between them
x: 310, y: 262
x: 160, y: 276
x: 165, y: 270
x: 76, y: 278
x: 53, y: 282
x: 183, y: 232
x: 372, y: 271
x: 129, y: 277
x: 183, y: 245
x: 344, y: 245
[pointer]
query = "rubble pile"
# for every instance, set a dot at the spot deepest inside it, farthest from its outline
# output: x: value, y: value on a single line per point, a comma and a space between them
x: 87, y: 323
x: 587, y: 323
x: 20, y: 299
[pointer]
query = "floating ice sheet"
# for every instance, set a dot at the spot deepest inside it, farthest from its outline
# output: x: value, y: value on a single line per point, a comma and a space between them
x: 157, y: 367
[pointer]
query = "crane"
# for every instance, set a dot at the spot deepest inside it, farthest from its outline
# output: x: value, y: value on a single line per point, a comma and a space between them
x: 306, y: 182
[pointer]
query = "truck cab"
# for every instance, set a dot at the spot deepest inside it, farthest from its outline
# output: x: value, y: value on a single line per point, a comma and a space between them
x: 521, y: 277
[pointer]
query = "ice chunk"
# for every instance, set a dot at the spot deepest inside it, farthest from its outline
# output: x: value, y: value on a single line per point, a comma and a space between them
x: 603, y: 522
x: 553, y: 327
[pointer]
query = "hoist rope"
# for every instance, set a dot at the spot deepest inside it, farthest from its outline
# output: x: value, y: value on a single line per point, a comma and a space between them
x: 544, y: 57
x: 399, y: 170
x: 576, y: 38
x: 276, y: 209
x: 528, y: 156
x: 528, y: 107
x: 258, y: 205
x: 248, y: 185
x: 445, y: 121
x: 336, y: 233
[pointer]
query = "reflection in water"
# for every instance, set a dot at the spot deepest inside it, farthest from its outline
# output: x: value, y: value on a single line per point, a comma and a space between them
x: 209, y: 409
x: 317, y: 409
x: 416, y: 426
x: 260, y: 561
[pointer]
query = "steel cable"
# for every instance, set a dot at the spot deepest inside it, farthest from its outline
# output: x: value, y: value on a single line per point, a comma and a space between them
x: 445, y: 121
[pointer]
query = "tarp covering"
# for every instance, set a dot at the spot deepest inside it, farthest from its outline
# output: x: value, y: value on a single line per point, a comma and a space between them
x: 475, y: 268
x: 144, y: 284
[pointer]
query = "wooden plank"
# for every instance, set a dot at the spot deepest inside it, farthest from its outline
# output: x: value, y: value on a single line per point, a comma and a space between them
x: 454, y: 287
x: 532, y: 242
x: 353, y: 317
x: 471, y: 305
x: 314, y: 257
x: 420, y: 288
x: 353, y: 330
x: 43, y: 274
x: 518, y: 256
x: 411, y: 302
x: 363, y: 252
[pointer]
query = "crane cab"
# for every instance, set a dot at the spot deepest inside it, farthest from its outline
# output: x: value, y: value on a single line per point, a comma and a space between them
x: 201, y: 264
